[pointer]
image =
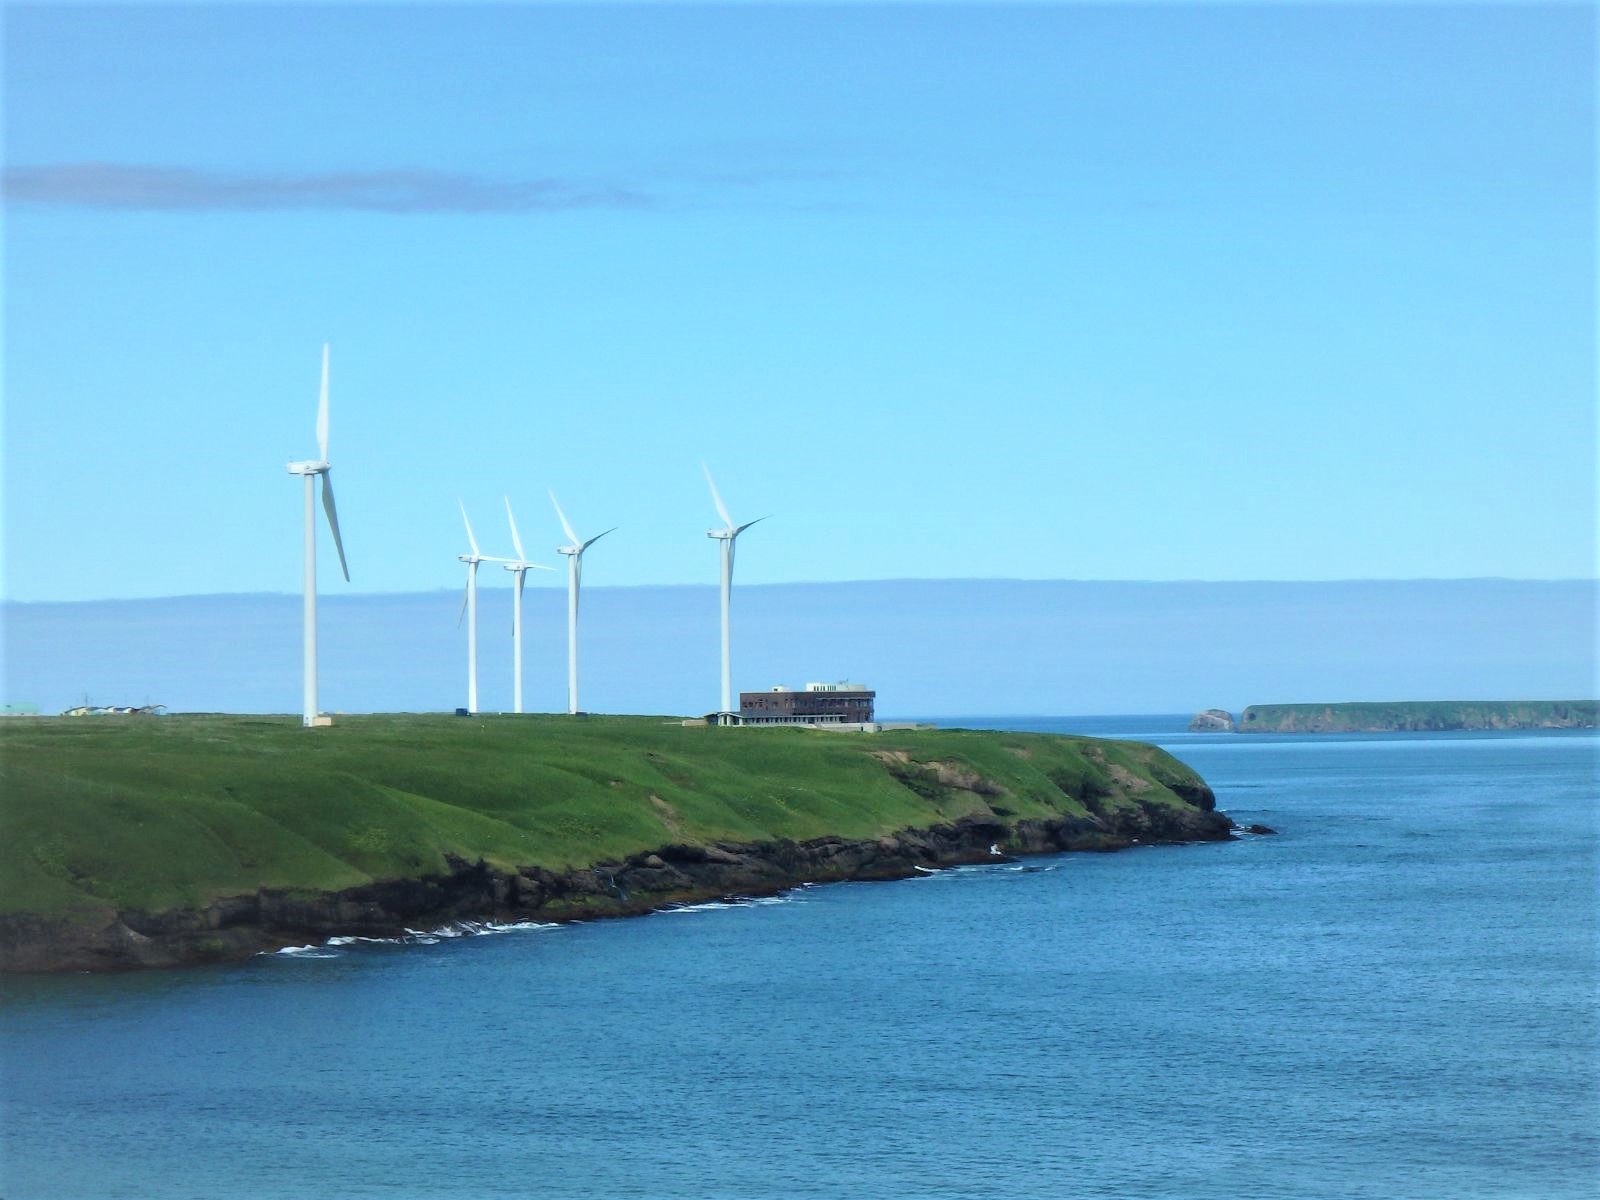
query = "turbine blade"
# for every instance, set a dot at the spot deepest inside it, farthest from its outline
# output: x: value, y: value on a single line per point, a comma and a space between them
x: 465, y: 592
x: 322, y: 409
x: 596, y: 538
x: 747, y: 525
x: 516, y: 538
x: 333, y: 520
x: 565, y: 524
x: 716, y: 496
x: 468, y: 524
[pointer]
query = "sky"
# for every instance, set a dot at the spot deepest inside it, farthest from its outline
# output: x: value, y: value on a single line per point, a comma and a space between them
x: 1043, y: 292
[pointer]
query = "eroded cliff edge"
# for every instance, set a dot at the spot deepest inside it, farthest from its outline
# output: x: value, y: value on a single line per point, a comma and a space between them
x: 172, y: 843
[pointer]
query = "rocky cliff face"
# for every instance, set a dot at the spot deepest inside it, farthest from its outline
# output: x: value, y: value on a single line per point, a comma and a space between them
x: 1213, y: 720
x: 239, y: 926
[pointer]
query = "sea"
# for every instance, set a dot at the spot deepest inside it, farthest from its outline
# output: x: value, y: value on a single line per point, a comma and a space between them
x: 1393, y: 996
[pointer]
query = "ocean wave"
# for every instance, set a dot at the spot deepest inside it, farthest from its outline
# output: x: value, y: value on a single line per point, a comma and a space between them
x: 305, y: 952
x: 788, y: 896
x: 334, y: 947
x: 979, y: 870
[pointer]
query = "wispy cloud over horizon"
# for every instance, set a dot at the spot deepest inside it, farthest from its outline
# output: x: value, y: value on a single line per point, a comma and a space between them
x: 126, y: 186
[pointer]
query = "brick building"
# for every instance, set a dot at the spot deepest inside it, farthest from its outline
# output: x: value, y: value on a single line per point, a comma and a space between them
x: 815, y: 704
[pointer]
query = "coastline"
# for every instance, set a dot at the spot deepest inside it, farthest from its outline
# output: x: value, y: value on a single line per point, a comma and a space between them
x: 268, y: 920
x: 162, y: 842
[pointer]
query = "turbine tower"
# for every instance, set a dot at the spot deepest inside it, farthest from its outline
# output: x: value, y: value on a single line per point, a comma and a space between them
x: 469, y: 607
x: 310, y: 471
x: 727, y: 535
x: 574, y: 552
x: 519, y: 567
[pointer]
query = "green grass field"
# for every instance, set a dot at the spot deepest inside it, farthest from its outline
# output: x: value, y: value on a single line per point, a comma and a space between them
x: 153, y: 813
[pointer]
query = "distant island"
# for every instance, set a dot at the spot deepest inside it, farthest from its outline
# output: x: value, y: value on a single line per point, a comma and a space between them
x: 1406, y: 716
x: 158, y: 841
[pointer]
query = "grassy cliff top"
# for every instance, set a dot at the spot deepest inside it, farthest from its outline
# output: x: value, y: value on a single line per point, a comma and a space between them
x: 1418, y: 715
x: 151, y: 813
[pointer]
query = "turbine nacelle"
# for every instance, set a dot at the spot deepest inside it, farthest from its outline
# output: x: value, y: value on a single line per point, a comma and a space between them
x: 577, y: 545
x: 308, y: 468
x: 733, y: 531
x: 729, y: 530
x: 520, y: 564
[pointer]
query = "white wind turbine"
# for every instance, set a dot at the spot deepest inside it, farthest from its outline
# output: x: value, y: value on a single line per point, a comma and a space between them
x: 574, y: 552
x: 519, y: 567
x: 469, y: 606
x: 310, y: 471
x: 727, y: 535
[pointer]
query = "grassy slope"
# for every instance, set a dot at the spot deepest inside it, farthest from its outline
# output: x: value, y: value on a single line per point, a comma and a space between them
x: 153, y: 813
x: 1418, y: 714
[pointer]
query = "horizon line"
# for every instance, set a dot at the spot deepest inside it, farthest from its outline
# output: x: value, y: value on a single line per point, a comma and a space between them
x: 950, y: 579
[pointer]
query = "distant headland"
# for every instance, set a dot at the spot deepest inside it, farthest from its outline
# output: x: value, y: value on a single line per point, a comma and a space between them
x: 1406, y: 716
x: 139, y: 842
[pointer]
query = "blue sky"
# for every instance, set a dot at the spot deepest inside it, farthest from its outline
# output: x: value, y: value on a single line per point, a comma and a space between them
x: 1241, y: 292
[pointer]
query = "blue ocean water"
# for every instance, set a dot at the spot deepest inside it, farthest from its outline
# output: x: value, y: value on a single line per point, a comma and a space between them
x: 1394, y: 997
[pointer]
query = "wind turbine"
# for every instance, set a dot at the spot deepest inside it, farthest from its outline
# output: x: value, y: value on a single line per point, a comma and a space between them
x: 519, y: 567
x: 469, y: 606
x: 574, y: 552
x: 727, y: 535
x: 310, y: 471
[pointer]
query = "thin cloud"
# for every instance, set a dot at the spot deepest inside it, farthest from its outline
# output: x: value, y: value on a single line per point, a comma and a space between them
x: 123, y: 186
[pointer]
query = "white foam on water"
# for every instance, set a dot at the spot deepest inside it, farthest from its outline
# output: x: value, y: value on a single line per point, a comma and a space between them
x: 704, y: 906
x: 491, y: 928
x: 332, y: 947
x: 790, y: 896
x: 305, y: 952
x: 969, y: 870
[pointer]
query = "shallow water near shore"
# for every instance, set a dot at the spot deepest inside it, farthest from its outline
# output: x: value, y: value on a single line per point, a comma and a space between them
x: 1392, y: 997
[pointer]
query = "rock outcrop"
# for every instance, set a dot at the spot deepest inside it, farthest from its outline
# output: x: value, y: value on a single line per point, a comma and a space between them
x: 1213, y: 720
